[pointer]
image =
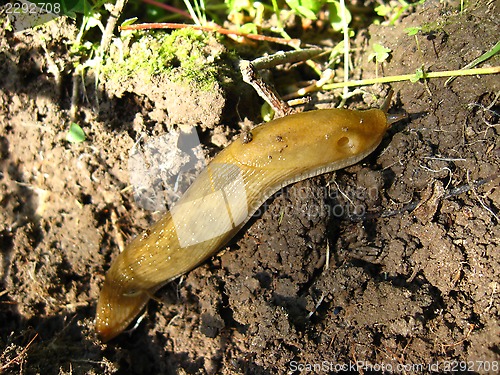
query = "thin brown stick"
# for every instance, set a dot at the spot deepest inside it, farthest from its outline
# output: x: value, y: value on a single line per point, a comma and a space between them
x: 215, y: 29
x: 18, y: 357
x: 266, y: 92
x: 281, y: 57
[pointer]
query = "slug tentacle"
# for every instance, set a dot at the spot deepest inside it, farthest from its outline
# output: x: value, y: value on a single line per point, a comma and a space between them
x: 226, y: 195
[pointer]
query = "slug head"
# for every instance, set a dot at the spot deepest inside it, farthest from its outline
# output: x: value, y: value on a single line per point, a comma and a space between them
x: 326, y: 139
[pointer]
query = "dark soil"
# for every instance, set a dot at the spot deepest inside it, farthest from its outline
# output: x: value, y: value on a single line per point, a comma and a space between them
x: 302, y: 288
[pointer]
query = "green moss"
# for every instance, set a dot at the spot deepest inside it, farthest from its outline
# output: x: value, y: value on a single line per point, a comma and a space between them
x: 432, y: 27
x: 443, y: 21
x: 186, y: 56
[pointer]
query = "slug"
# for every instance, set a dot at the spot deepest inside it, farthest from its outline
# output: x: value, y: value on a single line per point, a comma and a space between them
x: 226, y: 194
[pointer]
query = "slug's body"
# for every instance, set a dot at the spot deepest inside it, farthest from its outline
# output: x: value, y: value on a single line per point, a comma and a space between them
x: 226, y: 194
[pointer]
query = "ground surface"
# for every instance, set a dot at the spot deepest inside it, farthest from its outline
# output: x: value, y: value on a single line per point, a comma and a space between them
x: 416, y: 287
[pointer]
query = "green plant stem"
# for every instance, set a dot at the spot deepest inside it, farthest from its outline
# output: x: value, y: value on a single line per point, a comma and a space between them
x: 276, y: 10
x: 407, y: 77
x: 345, y: 31
x: 192, y: 12
x: 485, y: 56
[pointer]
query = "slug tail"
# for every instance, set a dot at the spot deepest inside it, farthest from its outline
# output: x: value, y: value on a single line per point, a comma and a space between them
x: 116, y: 311
x: 395, y: 117
x: 387, y: 102
x: 391, y: 118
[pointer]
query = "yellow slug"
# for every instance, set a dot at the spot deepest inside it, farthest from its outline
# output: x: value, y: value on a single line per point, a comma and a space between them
x: 226, y: 194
